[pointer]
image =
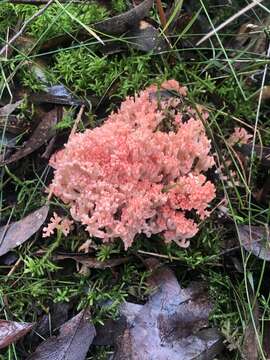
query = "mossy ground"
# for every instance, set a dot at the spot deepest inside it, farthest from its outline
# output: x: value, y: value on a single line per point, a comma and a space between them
x: 212, y: 81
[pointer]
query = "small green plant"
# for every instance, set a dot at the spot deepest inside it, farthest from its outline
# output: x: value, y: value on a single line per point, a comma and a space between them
x: 105, y: 251
x: 63, y: 295
x: 38, y: 267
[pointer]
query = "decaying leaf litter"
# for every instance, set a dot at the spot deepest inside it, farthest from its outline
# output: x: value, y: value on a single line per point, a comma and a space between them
x: 39, y: 104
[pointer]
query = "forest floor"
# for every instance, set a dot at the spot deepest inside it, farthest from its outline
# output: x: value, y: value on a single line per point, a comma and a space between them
x: 53, y: 64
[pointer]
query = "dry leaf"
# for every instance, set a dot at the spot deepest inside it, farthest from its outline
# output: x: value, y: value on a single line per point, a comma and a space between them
x: 72, y: 343
x: 255, y: 239
x: 11, y: 331
x: 171, y: 325
x: 18, y: 232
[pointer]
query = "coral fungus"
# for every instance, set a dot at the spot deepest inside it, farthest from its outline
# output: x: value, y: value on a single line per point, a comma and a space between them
x: 57, y: 223
x: 141, y: 171
x: 239, y: 136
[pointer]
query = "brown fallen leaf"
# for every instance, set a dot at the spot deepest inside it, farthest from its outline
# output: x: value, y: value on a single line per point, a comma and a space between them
x: 16, y: 233
x: 11, y: 331
x: 72, y: 343
x: 170, y: 326
x: 43, y: 132
x: 92, y: 262
x: 255, y: 239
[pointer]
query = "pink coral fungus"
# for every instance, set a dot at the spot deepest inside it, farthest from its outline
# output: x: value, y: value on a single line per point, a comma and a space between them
x: 57, y: 223
x: 141, y: 171
x: 239, y: 136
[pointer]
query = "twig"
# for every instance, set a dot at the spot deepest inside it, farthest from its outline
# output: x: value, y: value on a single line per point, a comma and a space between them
x: 27, y: 22
x: 78, y: 119
x: 228, y: 21
x: 161, y: 13
x: 14, y: 267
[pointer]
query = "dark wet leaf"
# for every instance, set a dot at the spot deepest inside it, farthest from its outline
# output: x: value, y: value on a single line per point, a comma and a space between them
x: 121, y: 23
x: 43, y: 132
x: 9, y: 259
x: 255, y: 239
x: 72, y: 343
x: 11, y: 331
x: 18, y: 232
x: 56, y: 94
x: 92, y: 262
x: 171, y: 325
x: 146, y: 38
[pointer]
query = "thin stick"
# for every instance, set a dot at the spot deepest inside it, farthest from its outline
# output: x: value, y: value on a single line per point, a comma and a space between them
x: 78, y: 119
x: 14, y: 267
x: 228, y: 21
x: 161, y: 13
x: 27, y: 22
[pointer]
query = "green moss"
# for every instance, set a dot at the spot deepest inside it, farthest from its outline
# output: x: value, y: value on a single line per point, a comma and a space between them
x: 119, y: 5
x: 230, y: 93
x: 57, y: 20
x: 85, y: 72
x: 7, y: 19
